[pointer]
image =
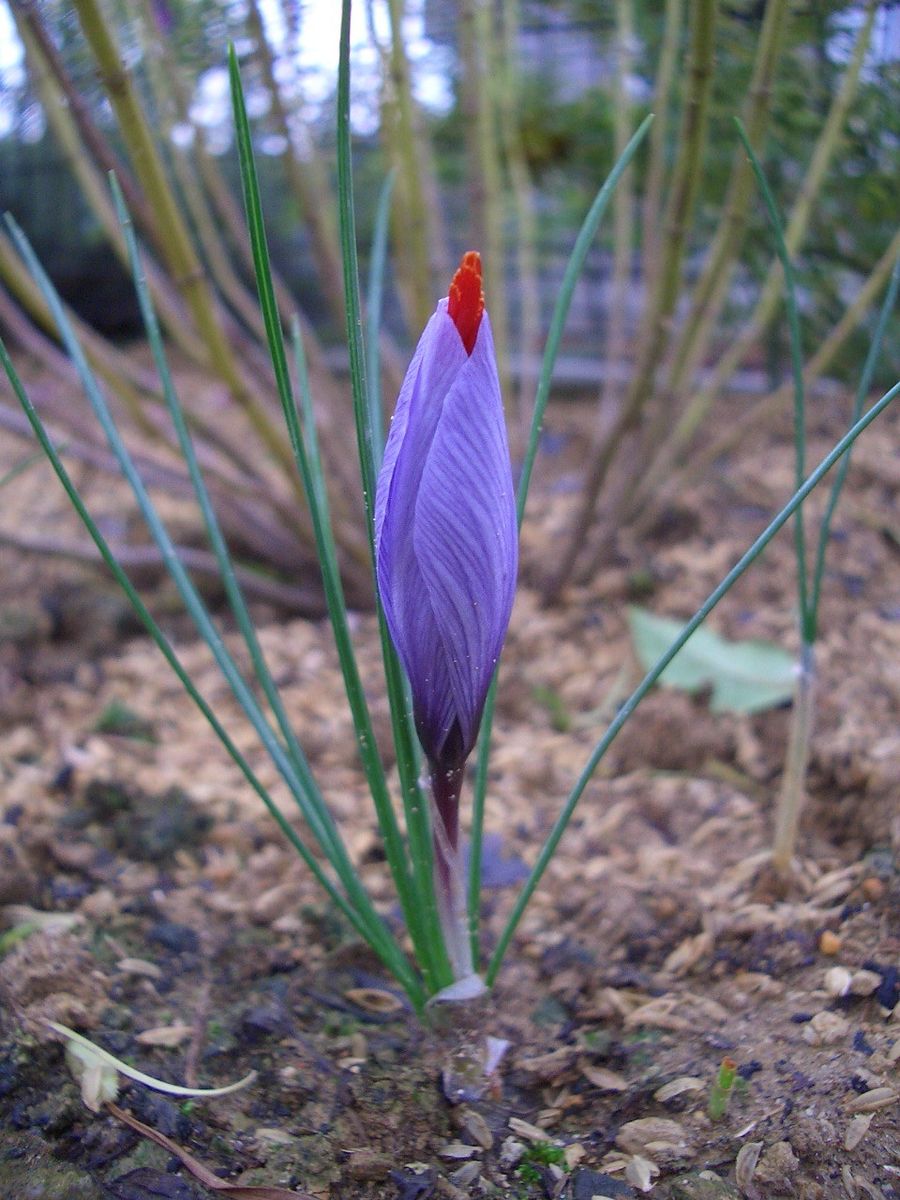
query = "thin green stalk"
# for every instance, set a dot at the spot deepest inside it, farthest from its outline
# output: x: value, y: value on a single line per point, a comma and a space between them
x: 391, y: 960
x: 790, y: 799
x: 793, y: 314
x: 841, y: 474
x: 308, y: 426
x: 654, y: 673
x: 408, y: 891
x: 570, y: 278
x: 325, y: 830
x: 415, y: 809
x: 22, y: 466
x: 373, y: 314
x: 433, y: 953
x: 378, y: 935
x: 720, y: 1092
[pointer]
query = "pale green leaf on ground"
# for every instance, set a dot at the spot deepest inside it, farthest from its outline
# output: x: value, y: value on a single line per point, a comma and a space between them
x: 745, y: 677
x: 96, y: 1070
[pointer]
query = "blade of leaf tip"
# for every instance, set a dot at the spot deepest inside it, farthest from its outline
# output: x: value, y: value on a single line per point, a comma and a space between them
x: 159, y: 1085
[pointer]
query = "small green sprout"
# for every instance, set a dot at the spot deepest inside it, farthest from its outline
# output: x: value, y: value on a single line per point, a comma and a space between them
x: 720, y: 1092
x: 117, y: 718
x: 543, y: 1154
x: 560, y: 718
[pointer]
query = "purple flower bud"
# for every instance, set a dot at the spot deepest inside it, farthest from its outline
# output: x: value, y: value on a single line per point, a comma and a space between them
x: 445, y: 522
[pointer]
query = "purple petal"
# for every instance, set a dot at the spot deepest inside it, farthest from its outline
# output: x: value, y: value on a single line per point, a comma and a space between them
x: 446, y: 534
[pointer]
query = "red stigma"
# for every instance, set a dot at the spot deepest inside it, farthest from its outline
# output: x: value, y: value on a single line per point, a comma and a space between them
x: 467, y: 299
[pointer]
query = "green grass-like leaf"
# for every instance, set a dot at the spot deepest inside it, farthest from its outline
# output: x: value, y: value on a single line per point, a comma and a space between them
x: 432, y: 952
x: 840, y: 475
x: 652, y: 676
x: 414, y: 909
x: 807, y: 623
x: 573, y: 270
x: 373, y: 315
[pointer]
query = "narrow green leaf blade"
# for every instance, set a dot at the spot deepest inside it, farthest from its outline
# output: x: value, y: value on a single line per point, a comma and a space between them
x: 652, y: 676
x: 572, y: 273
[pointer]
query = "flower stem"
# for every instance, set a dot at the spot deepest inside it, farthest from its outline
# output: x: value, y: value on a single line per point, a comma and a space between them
x: 449, y: 868
x: 793, y: 783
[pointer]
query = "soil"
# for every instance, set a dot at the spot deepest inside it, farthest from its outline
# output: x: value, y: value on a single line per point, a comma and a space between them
x: 192, y: 943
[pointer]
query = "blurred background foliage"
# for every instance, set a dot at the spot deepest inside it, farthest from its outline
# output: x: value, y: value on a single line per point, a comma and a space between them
x: 565, y: 112
x: 501, y: 119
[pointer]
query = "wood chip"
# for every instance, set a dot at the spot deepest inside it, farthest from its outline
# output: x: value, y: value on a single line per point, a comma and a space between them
x: 473, y: 1125
x: 745, y: 1164
x: 573, y: 1154
x: 374, y: 1000
x: 275, y: 1137
x: 688, y: 953
x: 607, y: 1081
x: 640, y: 1172
x: 837, y: 981
x: 549, y: 1066
x: 835, y: 885
x: 165, y: 1035
x: 659, y: 1013
x: 139, y: 966
x: 857, y: 1130
x: 826, y: 1028
x: 864, y: 983
x: 872, y: 1100
x: 458, y: 1150
x: 466, y: 1174
x: 526, y: 1130
x: 658, y: 1135
x: 677, y: 1087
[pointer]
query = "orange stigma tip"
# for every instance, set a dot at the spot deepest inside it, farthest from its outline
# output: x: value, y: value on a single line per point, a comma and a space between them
x: 466, y: 303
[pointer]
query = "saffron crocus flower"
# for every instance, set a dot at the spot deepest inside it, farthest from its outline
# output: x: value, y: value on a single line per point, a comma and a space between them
x: 446, y: 554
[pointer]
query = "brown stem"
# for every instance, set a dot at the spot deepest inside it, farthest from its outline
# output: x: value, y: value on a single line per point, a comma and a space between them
x: 410, y: 204
x: 752, y: 417
x: 712, y: 287
x: 523, y: 199
x: 623, y: 222
x: 27, y: 15
x: 177, y: 248
x: 766, y: 307
x: 662, y: 107
x: 656, y: 327
x: 479, y: 56
x: 306, y: 179
x: 143, y: 558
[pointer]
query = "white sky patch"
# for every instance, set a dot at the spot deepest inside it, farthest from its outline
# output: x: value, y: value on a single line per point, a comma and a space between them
x: 12, y: 68
x: 308, y: 69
